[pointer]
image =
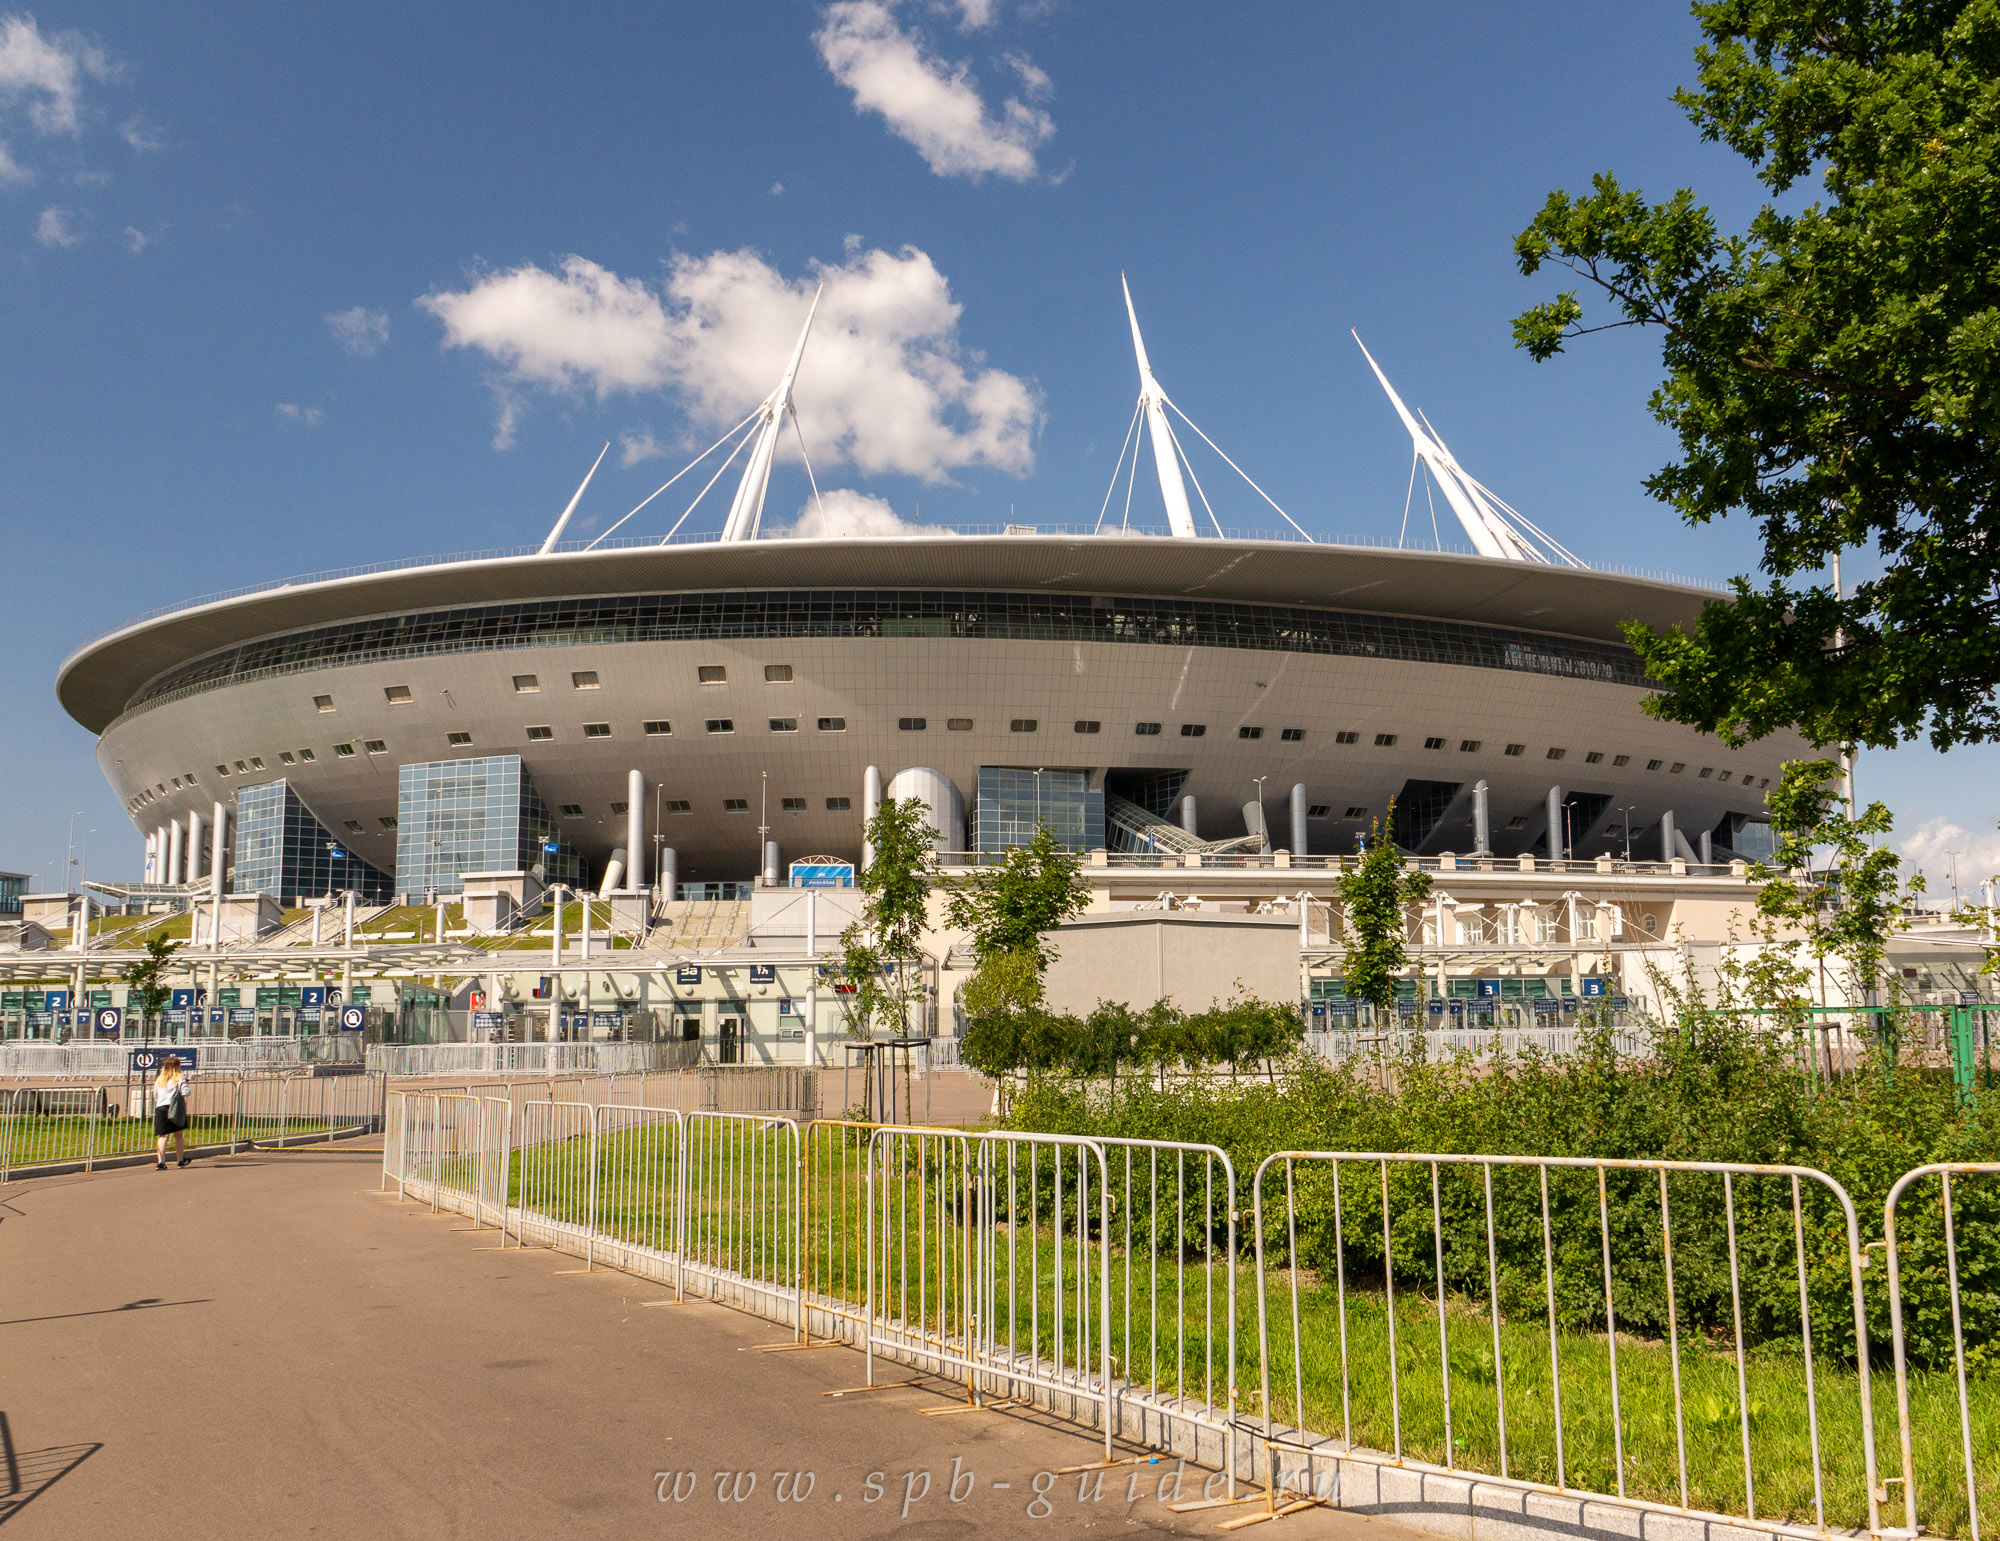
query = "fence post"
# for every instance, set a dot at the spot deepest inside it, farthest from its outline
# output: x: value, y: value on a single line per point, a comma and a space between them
x: 235, y: 1115
x: 284, y: 1096
x: 590, y: 1228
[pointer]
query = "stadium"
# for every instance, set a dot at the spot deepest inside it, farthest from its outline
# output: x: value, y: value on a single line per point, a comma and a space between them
x: 626, y: 714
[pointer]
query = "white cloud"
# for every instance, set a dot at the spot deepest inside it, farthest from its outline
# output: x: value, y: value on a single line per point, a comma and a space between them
x: 933, y: 105
x: 140, y: 135
x: 359, y: 330
x: 885, y: 384
x: 841, y: 511
x: 136, y: 240
x: 638, y: 444
x: 1034, y: 79
x: 974, y: 14
x: 57, y: 227
x: 12, y: 172
x: 291, y: 412
x: 777, y: 189
x: 47, y: 72
x: 1929, y: 847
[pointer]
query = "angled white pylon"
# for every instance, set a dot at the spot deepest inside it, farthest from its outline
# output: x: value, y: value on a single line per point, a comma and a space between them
x: 556, y: 534
x: 748, y: 506
x: 1180, y: 519
x: 1490, y: 533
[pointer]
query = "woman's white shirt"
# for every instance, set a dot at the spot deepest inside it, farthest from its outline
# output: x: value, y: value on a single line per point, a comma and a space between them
x: 163, y: 1091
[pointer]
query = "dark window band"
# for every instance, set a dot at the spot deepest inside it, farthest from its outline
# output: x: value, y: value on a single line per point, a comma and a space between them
x: 894, y: 613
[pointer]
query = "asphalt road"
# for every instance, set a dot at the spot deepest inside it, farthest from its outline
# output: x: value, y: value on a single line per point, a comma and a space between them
x: 265, y: 1346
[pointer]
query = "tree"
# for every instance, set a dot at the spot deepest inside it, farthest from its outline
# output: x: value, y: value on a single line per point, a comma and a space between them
x: 880, y: 955
x: 145, y: 980
x: 1374, y: 896
x: 1012, y: 908
x: 1847, y: 907
x: 1829, y: 370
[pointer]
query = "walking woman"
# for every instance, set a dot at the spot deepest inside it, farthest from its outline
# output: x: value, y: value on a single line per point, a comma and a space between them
x: 170, y: 1114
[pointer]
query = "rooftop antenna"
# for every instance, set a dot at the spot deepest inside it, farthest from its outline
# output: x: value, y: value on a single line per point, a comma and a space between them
x: 556, y: 534
x: 748, y: 508
x: 1496, y: 528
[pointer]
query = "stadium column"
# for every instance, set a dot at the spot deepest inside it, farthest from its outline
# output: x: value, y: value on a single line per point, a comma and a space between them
x: 1707, y: 847
x: 194, y: 850
x: 635, y: 829
x: 1298, y: 818
x: 1667, y: 835
x: 670, y: 874
x: 1187, y: 816
x: 871, y: 804
x: 149, y: 858
x: 174, y: 849
x: 1557, y: 850
x: 218, y: 852
x: 160, y: 854
x: 1482, y: 822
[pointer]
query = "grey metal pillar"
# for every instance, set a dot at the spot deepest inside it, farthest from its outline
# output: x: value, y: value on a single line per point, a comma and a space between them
x: 1558, y: 848
x: 770, y: 864
x: 1187, y: 815
x: 1667, y: 835
x: 635, y: 829
x: 1298, y: 818
x: 175, y: 837
x: 670, y: 874
x: 871, y: 804
x: 218, y: 850
x: 194, y: 850
x: 1482, y: 821
x: 1707, y: 847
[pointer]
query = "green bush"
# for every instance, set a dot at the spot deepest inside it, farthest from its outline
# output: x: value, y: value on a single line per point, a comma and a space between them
x: 1715, y: 1092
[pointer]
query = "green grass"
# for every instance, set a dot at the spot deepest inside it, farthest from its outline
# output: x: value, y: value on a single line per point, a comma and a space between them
x: 1167, y: 1336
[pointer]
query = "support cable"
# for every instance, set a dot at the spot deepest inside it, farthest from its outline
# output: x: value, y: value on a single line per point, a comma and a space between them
x: 715, y: 478
x: 799, y: 434
x: 1234, y: 466
x: 1409, y: 493
x: 1118, y: 466
x: 698, y: 459
x: 1174, y: 439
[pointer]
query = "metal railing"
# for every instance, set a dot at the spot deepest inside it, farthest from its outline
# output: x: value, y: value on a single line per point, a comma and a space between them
x: 413, y: 1061
x: 1685, y: 1338
x: 33, y: 1060
x: 61, y: 1128
x: 1932, y: 1240
x: 1426, y: 1348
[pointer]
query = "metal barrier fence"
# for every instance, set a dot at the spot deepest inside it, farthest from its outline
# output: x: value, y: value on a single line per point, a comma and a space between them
x: 103, y: 1061
x: 1427, y: 1348
x: 960, y: 1280
x: 412, y: 1061
x: 1929, y: 1241
x: 1689, y: 1338
x: 62, y: 1127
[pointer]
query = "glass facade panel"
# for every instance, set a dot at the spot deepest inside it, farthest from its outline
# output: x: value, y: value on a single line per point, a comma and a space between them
x: 1011, y: 802
x: 460, y: 816
x: 284, y: 851
x: 12, y: 886
x: 896, y: 613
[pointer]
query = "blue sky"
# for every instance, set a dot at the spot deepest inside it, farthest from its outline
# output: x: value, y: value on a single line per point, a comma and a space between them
x: 292, y: 288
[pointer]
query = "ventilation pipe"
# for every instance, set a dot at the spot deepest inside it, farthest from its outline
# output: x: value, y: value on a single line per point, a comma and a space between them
x: 151, y: 859
x: 194, y: 851
x: 1253, y: 821
x: 812, y: 978
x: 614, y: 872
x: 770, y: 864
x: 871, y: 804
x: 1667, y: 833
x: 1298, y: 818
x: 1187, y: 815
x: 670, y: 874
x: 1482, y: 821
x: 1707, y: 848
x: 1681, y: 847
x: 635, y: 829
x: 1558, y: 848
x: 174, y: 849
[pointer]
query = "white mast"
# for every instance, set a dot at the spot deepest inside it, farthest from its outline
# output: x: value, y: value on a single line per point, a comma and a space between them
x: 1180, y: 518
x: 556, y: 534
x: 748, y: 508
x: 1490, y: 535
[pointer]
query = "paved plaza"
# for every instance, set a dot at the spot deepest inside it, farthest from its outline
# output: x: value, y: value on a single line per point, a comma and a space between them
x: 265, y: 1345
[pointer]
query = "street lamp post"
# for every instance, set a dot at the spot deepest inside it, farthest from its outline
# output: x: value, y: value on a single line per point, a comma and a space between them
x: 1628, y: 811
x: 1263, y: 824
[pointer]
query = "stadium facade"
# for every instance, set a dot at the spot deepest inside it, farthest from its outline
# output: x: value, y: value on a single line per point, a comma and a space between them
x: 705, y: 711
